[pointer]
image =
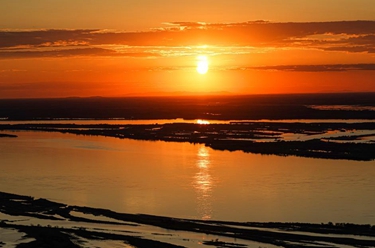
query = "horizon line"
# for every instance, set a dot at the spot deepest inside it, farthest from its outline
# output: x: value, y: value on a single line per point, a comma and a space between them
x: 194, y: 95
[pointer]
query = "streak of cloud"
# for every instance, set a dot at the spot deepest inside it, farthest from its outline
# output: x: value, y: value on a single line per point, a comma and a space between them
x: 342, y: 36
x: 314, y: 68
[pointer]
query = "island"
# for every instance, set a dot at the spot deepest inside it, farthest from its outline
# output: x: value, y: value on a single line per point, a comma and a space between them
x: 341, y: 140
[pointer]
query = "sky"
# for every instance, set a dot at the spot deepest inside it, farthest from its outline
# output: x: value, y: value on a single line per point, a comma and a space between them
x: 152, y: 48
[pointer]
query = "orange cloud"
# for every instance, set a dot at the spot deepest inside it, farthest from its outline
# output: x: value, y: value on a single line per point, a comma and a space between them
x: 314, y: 68
x: 346, y: 36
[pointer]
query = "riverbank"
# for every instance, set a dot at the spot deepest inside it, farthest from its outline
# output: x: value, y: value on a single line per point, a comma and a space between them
x: 4, y: 135
x: 350, y: 141
x: 50, y: 224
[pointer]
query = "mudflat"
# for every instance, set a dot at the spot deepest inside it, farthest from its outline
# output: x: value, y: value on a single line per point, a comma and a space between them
x: 50, y: 224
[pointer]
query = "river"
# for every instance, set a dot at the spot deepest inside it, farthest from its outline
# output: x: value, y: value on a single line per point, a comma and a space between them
x: 186, y: 180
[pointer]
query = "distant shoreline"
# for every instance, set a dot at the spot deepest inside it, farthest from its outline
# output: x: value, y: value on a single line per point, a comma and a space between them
x: 238, y: 107
x: 265, y: 138
x: 202, y: 95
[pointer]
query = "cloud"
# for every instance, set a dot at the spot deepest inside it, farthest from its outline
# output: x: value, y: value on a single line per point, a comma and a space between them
x: 352, y: 49
x: 55, y: 53
x: 70, y: 53
x: 315, y: 68
x: 345, y: 36
x: 42, y: 37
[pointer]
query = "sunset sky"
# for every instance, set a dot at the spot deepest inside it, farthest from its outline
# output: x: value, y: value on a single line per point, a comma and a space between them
x: 152, y: 48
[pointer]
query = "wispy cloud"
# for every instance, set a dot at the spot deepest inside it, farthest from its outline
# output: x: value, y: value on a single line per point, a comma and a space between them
x: 68, y: 53
x: 344, y: 36
x: 314, y: 68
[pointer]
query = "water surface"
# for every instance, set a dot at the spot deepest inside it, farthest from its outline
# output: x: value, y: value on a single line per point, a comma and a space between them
x: 186, y: 180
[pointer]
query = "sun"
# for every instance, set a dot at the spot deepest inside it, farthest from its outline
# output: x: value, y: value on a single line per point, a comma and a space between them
x: 202, y: 64
x: 202, y: 122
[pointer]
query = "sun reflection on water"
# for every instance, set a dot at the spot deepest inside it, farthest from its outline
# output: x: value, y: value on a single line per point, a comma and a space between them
x: 203, y: 183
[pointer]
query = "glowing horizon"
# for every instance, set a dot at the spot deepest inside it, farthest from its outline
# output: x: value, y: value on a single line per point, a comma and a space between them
x: 219, y: 55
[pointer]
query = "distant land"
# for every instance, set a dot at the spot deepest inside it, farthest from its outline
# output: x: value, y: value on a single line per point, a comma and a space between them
x: 242, y: 107
x: 315, y: 140
x: 332, y: 140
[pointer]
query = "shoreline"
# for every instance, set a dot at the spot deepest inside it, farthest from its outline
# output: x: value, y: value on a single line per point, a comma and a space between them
x: 5, y: 135
x: 312, y: 140
x: 133, y: 230
x: 235, y: 107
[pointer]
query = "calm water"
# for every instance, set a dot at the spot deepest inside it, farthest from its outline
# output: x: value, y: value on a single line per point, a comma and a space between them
x: 185, y: 180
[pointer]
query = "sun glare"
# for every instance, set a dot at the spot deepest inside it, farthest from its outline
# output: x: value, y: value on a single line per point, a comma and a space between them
x: 203, y: 122
x: 202, y: 64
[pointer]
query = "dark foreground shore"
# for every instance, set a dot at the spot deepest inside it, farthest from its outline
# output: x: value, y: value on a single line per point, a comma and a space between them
x: 46, y: 223
x: 4, y: 135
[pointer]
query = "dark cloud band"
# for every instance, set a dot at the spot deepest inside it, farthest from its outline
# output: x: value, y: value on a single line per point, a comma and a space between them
x: 346, y: 36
